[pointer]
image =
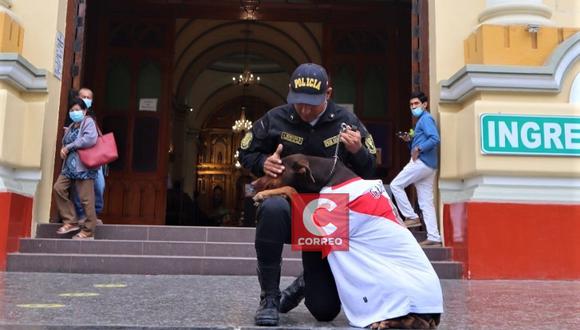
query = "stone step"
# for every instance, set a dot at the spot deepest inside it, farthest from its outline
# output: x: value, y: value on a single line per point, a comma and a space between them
x: 157, y: 265
x: 168, y: 233
x: 168, y: 248
x: 144, y: 248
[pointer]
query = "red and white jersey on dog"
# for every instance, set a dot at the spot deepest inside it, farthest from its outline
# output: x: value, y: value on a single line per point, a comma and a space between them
x: 385, y: 273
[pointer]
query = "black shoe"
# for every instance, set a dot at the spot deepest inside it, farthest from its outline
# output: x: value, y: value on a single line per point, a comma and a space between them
x: 292, y: 295
x: 267, y: 313
x: 269, y: 277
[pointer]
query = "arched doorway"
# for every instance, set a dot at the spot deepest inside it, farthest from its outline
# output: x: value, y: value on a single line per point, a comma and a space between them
x: 216, y: 163
x: 367, y: 49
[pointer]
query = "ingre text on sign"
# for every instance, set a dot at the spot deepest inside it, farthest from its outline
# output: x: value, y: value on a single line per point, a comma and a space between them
x: 530, y: 135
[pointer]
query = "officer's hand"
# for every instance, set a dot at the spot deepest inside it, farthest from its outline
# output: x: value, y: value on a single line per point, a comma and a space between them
x: 351, y: 140
x: 273, y: 164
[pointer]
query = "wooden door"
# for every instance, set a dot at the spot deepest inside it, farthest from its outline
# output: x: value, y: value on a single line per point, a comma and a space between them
x: 420, y: 46
x: 72, y: 75
x: 133, y: 100
x: 369, y: 67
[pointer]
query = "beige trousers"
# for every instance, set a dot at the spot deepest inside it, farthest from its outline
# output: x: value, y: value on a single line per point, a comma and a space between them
x: 66, y: 209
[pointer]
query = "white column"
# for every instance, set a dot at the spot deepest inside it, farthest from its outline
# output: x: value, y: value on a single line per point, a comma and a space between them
x: 575, y: 90
x: 516, y: 12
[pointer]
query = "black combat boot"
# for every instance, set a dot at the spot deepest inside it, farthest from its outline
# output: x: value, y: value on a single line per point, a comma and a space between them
x: 269, y: 277
x: 292, y: 295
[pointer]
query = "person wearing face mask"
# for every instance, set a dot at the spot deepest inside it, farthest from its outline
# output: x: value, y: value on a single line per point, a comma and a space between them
x: 420, y: 171
x: 80, y: 134
x: 309, y: 124
x: 86, y: 95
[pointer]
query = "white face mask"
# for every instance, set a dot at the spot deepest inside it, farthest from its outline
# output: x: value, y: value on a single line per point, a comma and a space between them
x: 88, y: 102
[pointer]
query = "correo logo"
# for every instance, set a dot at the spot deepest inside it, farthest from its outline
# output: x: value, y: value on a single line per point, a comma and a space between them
x: 320, y: 222
x: 309, y: 217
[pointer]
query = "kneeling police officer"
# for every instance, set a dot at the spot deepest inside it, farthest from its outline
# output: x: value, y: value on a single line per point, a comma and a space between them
x: 309, y: 124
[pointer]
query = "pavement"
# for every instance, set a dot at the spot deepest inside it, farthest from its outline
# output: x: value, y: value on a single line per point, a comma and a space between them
x: 79, y: 301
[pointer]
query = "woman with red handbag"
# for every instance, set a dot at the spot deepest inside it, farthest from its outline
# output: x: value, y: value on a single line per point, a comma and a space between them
x: 81, y: 134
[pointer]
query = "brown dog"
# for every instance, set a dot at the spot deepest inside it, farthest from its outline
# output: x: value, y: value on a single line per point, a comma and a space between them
x: 304, y: 174
x: 309, y: 174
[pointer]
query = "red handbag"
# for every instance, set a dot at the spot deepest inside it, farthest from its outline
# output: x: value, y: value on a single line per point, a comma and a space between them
x: 103, y: 152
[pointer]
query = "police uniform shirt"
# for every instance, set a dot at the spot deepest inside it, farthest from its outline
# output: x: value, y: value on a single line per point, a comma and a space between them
x: 282, y: 125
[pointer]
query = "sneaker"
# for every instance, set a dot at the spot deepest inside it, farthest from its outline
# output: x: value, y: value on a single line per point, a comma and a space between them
x: 410, y: 223
x: 429, y: 242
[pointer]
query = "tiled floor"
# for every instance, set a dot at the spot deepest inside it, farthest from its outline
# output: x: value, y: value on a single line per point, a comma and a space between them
x: 229, y: 302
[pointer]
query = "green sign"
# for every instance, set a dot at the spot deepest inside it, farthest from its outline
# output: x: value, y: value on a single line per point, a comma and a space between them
x: 530, y: 135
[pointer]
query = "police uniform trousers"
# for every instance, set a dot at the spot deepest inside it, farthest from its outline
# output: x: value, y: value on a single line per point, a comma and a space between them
x: 273, y: 230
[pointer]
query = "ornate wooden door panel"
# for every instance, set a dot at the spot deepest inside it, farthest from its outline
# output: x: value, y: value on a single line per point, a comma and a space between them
x: 420, y: 46
x: 71, y: 76
x: 134, y: 102
x: 368, y: 64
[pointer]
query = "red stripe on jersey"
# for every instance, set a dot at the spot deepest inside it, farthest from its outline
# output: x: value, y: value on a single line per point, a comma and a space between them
x: 342, y: 184
x: 367, y: 204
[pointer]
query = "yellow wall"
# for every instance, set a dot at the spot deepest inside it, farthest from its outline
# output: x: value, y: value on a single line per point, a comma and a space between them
x: 513, y: 45
x: 447, y: 31
x: 461, y: 155
x: 41, y: 210
x: 565, y: 12
x: 459, y: 123
x: 460, y: 134
x: 11, y: 34
x: 21, y: 122
x: 40, y: 23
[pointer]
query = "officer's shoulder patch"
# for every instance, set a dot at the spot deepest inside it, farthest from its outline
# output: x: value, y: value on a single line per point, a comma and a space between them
x: 370, y: 144
x: 245, y: 144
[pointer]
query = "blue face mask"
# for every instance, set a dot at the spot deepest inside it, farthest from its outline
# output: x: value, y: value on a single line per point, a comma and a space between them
x: 76, y: 116
x: 88, y: 102
x: 417, y: 111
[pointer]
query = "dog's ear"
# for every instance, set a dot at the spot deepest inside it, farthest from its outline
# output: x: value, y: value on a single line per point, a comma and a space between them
x: 302, y: 166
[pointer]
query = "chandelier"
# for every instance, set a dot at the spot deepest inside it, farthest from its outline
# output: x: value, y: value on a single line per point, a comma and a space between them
x: 242, y: 124
x: 250, y: 7
x: 246, y: 79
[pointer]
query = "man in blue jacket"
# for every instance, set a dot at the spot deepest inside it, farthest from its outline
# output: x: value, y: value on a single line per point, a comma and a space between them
x: 420, y: 171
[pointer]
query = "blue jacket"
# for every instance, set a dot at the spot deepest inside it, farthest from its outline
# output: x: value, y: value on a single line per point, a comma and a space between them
x: 427, y: 139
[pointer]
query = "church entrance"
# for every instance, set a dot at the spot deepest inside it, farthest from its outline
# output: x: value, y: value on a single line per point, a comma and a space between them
x: 180, y: 81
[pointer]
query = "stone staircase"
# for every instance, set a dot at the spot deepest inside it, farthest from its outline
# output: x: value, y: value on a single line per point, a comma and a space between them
x: 154, y: 250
